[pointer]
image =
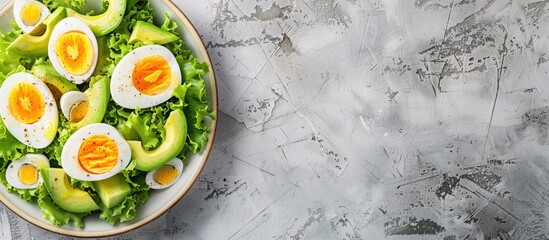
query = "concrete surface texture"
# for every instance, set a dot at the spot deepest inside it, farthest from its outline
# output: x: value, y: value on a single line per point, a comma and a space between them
x: 365, y: 119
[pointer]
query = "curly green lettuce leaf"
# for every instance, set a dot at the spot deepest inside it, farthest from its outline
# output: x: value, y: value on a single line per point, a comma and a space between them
x: 77, y: 5
x: 10, y: 63
x: 10, y: 147
x: 7, y: 61
x: 83, y: 185
x: 197, y: 106
x: 54, y: 213
x: 141, y: 125
x: 145, y: 128
x: 146, y: 125
x: 196, y: 101
x: 53, y: 151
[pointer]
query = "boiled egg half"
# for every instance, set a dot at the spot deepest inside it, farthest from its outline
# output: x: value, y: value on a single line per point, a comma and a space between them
x: 74, y: 106
x: 95, y: 152
x: 73, y: 50
x: 166, y: 175
x: 145, y: 77
x: 24, y: 173
x: 29, y: 13
x: 28, y: 110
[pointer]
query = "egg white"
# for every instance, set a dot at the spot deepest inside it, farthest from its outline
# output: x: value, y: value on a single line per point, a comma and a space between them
x: 69, y: 99
x: 18, y: 6
x: 39, y: 134
x: 149, y: 179
x: 39, y: 161
x: 66, y: 25
x: 69, y: 154
x: 124, y: 92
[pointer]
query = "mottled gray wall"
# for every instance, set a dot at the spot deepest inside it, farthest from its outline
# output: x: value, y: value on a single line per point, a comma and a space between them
x: 363, y: 119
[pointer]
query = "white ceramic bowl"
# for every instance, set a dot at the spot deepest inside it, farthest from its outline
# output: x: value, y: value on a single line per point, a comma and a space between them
x: 159, y: 201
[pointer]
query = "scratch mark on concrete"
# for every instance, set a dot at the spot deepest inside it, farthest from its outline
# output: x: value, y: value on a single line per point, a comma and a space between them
x: 503, y: 53
x: 416, y: 180
x: 261, y: 212
x: 263, y: 170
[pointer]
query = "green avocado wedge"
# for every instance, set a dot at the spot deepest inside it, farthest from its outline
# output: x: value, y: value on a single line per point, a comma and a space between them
x: 173, y: 143
x: 35, y: 43
x: 105, y: 22
x: 113, y: 190
x: 63, y: 194
x: 57, y: 84
x: 98, y: 97
x: 148, y: 33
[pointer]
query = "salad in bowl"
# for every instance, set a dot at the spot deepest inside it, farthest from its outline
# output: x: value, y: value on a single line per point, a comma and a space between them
x: 98, y: 109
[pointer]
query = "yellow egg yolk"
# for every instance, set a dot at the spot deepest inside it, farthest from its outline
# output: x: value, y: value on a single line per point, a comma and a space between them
x: 78, y: 112
x: 98, y: 154
x: 152, y: 75
x: 25, y: 103
x: 75, y: 52
x: 28, y: 174
x: 165, y: 175
x: 30, y: 13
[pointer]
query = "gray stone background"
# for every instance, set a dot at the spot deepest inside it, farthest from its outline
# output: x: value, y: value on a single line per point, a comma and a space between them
x: 365, y: 119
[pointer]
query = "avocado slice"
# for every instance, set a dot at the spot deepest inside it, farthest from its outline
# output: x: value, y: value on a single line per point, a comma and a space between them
x: 103, y: 53
x: 113, y: 190
x: 98, y: 98
x: 57, y: 84
x: 106, y: 22
x: 174, y: 141
x: 148, y: 33
x: 35, y: 43
x: 63, y: 194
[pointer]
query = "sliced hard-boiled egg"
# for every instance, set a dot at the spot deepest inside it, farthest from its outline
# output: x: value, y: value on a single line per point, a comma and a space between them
x: 24, y: 173
x: 28, y: 110
x: 29, y: 13
x: 74, y: 106
x: 166, y: 175
x: 73, y: 50
x: 95, y: 152
x: 145, y: 77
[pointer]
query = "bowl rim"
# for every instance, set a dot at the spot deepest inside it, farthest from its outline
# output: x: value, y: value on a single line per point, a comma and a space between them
x: 206, y: 152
